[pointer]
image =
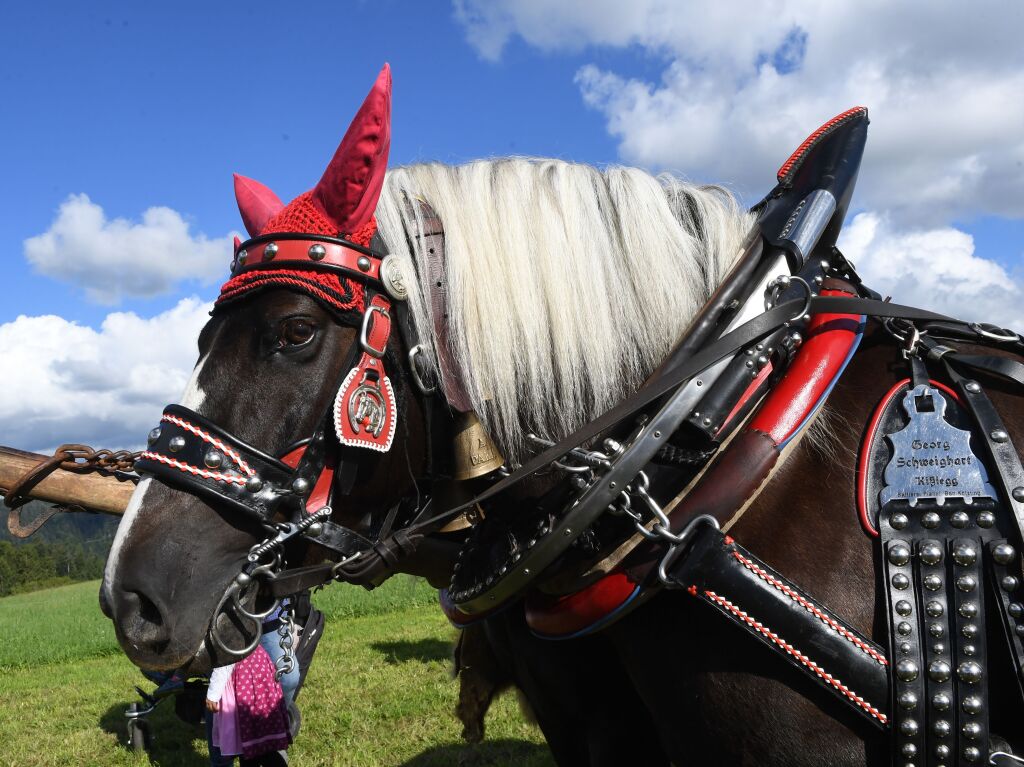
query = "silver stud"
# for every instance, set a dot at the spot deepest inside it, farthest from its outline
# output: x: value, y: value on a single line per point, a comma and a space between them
x: 932, y: 582
x: 899, y: 554
x: 972, y: 754
x: 959, y: 519
x: 903, y: 608
x: 973, y: 387
x: 908, y: 727
x: 243, y: 579
x: 1020, y: 629
x: 940, y: 701
x: 966, y: 583
x: 907, y: 670
x: 942, y: 751
x: 965, y: 554
x: 930, y: 520
x: 363, y: 263
x: 971, y: 704
x: 1003, y: 553
x: 970, y: 650
x: 969, y: 671
x: 300, y: 486
x: 315, y: 529
x: 938, y: 648
x: 900, y: 581
x: 969, y: 630
x: 905, y: 648
x: 903, y: 628
x: 941, y: 728
x: 1009, y: 583
x: 999, y: 435
x: 931, y: 553
x: 939, y: 671
x: 243, y: 256
x: 1018, y: 494
x: 968, y: 610
x: 986, y: 519
x: 1016, y: 610
x: 899, y: 520
x: 907, y: 700
x: 213, y: 459
x: 934, y: 609
x: 254, y: 484
x: 154, y: 435
x: 936, y: 630
x: 908, y: 750
x: 270, y: 251
x: 317, y: 252
x: 176, y: 444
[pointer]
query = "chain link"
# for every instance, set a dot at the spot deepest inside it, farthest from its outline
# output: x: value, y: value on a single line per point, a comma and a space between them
x: 286, y: 663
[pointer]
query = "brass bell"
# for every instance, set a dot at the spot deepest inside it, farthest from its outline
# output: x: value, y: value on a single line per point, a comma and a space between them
x: 475, y: 453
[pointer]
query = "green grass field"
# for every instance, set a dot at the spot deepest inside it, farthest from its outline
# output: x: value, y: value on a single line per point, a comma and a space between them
x: 379, y: 692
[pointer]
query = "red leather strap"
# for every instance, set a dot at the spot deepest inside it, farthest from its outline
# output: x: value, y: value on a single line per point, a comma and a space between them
x: 300, y: 253
x: 321, y: 494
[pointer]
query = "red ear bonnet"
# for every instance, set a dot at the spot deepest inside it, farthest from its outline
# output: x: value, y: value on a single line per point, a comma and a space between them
x: 256, y: 203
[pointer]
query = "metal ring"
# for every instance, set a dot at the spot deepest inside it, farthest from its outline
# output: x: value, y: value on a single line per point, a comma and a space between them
x: 1003, y: 755
x: 676, y: 548
x: 1007, y: 336
x: 214, y: 635
x: 414, y: 371
x: 364, y: 339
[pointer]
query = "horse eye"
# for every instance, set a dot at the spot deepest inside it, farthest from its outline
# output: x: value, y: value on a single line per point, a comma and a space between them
x: 296, y: 332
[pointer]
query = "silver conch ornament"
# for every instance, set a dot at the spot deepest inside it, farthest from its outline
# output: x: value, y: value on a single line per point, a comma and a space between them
x: 393, y: 277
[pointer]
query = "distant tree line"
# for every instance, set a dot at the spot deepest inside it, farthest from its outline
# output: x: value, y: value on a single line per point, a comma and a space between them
x: 70, y: 547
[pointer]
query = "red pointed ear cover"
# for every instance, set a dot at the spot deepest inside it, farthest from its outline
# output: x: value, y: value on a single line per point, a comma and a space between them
x: 350, y: 187
x: 257, y: 204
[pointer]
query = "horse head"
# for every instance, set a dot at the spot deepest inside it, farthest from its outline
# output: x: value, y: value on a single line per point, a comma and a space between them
x: 292, y: 405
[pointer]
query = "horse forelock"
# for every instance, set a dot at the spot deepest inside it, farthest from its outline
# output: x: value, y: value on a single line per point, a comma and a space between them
x: 567, y: 284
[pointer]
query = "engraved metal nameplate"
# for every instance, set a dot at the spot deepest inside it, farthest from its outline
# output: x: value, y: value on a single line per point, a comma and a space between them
x: 932, y: 458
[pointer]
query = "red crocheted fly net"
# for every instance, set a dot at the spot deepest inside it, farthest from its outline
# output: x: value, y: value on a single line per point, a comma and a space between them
x: 337, y: 293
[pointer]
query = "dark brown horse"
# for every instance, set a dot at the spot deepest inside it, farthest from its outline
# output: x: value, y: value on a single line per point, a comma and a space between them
x: 669, y: 682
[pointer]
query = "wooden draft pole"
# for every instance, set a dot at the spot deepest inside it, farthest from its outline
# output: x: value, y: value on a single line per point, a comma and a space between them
x: 93, y: 491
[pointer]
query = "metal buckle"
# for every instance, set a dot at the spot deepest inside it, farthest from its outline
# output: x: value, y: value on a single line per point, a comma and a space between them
x: 364, y: 334
x: 1006, y: 336
x: 414, y: 371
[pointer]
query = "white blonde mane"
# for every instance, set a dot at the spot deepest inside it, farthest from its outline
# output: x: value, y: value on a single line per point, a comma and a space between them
x: 567, y: 285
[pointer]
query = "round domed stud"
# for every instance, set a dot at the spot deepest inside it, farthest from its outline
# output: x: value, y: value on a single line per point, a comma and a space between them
x: 176, y: 444
x: 941, y: 702
x: 969, y: 650
x: 972, y: 753
x: 899, y: 520
x: 301, y: 486
x: 153, y: 436
x: 904, y: 608
x: 934, y: 609
x: 899, y: 554
x: 363, y: 263
x: 932, y: 582
x: 317, y: 252
x: 270, y: 251
x: 941, y: 728
x: 969, y: 630
x: 1003, y: 553
x: 969, y: 671
x: 986, y: 519
x: 907, y: 700
x: 939, y: 671
x: 1018, y: 494
x: 1016, y: 610
x: 315, y: 529
x: 900, y: 581
x: 213, y: 459
x: 968, y: 610
x: 254, y: 484
x: 908, y: 727
x: 971, y: 705
x: 930, y: 520
x: 905, y: 647
x: 908, y: 750
x: 1009, y: 583
x: 907, y: 670
x: 936, y: 629
x: 931, y: 553
x: 243, y: 579
x: 973, y: 387
x: 959, y: 519
x: 1020, y: 629
x: 903, y: 628
x: 965, y: 554
x: 966, y: 583
x: 938, y: 648
x: 999, y: 435
x: 243, y: 256
x: 942, y: 751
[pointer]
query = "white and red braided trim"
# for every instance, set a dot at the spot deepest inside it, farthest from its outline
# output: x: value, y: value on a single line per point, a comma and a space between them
x: 209, y: 438
x: 812, y: 608
x: 235, y: 479
x: 799, y: 656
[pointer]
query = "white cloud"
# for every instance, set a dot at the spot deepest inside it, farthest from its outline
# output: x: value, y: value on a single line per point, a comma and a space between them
x: 935, y: 269
x: 65, y: 382
x: 112, y: 259
x: 744, y: 83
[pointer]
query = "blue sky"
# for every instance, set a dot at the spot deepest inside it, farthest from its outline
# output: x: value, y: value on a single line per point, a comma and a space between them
x: 144, y: 105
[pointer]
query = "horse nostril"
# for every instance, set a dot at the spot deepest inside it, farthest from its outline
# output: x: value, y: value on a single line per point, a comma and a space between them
x: 141, y: 620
